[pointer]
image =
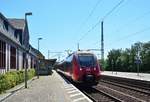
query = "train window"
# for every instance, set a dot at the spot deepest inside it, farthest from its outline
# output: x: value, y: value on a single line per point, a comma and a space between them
x: 86, y: 60
x: 69, y: 59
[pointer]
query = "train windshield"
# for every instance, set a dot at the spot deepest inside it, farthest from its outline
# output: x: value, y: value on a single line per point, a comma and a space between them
x: 86, y: 60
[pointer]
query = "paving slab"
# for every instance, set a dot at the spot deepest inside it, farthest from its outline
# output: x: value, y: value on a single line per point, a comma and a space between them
x: 44, y: 89
x: 52, y: 88
x: 140, y: 76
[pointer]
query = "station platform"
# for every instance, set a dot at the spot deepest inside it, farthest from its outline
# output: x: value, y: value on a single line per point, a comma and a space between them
x: 137, y: 76
x: 52, y: 88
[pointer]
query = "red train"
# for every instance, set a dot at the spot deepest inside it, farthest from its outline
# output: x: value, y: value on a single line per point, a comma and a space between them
x: 81, y: 67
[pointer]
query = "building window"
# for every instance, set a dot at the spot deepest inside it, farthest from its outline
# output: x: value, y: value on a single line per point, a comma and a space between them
x: 16, y: 34
x: 13, y: 57
x: 6, y: 25
x: 2, y: 55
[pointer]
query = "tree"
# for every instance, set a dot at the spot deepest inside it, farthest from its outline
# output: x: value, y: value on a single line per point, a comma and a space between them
x: 145, y: 56
x: 125, y: 60
x: 113, y: 56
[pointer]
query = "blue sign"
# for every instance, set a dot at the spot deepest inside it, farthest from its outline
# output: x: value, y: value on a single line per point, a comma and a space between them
x: 138, y: 61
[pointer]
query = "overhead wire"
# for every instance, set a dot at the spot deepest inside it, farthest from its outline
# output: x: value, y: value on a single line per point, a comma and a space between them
x: 86, y: 20
x: 132, y: 34
x: 133, y: 21
x: 125, y: 37
x: 129, y: 23
x: 90, y: 14
x: 107, y: 14
x: 92, y: 28
x: 104, y: 17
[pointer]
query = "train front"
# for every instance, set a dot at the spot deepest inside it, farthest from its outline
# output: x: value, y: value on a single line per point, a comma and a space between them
x: 88, y: 68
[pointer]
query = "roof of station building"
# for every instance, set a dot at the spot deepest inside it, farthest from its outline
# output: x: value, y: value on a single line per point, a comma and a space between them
x: 17, y: 23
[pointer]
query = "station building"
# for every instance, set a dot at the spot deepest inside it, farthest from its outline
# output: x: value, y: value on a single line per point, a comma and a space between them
x: 15, y: 51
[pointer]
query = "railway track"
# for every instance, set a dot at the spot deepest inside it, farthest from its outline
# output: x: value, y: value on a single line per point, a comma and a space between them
x: 99, y: 95
x: 94, y: 94
x: 140, y: 90
x: 124, y: 94
x: 110, y: 91
x: 107, y: 91
x: 145, y: 85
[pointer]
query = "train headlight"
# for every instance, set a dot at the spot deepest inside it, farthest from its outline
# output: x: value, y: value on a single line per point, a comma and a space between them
x: 80, y: 69
x: 94, y: 69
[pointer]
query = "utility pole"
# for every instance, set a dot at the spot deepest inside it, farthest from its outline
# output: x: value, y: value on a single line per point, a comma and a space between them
x: 78, y: 47
x: 59, y: 57
x: 48, y: 53
x: 102, y: 45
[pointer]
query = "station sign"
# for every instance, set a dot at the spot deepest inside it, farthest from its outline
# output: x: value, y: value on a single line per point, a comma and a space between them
x: 138, y: 61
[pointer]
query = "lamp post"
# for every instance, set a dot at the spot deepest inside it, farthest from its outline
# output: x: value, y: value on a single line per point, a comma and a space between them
x: 27, y: 50
x: 38, y: 56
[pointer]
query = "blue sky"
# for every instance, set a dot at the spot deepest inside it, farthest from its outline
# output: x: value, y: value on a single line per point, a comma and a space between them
x: 61, y: 23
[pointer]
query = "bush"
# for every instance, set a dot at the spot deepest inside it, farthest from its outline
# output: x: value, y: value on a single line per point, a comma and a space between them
x: 31, y: 73
x: 13, y: 78
x: 3, y: 83
x: 20, y: 76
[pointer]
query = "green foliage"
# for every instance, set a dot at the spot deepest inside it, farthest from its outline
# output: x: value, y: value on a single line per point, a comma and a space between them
x: 124, y: 60
x: 3, y: 83
x: 31, y: 73
x: 20, y: 76
x: 13, y: 78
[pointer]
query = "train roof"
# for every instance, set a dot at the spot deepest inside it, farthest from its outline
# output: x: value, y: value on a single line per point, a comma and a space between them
x: 84, y: 52
x: 80, y: 52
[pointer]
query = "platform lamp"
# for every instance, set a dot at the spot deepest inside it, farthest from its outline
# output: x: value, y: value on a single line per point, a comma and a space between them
x: 38, y: 56
x: 27, y: 49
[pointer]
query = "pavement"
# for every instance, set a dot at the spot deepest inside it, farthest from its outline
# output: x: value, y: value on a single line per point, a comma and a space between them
x: 11, y: 91
x: 138, y: 76
x: 52, y: 88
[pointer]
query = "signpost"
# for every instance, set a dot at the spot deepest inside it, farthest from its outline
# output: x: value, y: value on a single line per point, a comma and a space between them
x: 138, y: 62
